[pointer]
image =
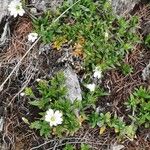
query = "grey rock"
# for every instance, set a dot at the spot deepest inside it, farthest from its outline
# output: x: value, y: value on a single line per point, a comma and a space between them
x: 44, y: 5
x: 4, y: 26
x: 40, y: 5
x: 44, y: 48
x: 146, y: 28
x: 5, y: 34
x: 122, y: 7
x: 146, y: 73
x: 3, y: 8
x: 3, y: 147
x: 72, y: 84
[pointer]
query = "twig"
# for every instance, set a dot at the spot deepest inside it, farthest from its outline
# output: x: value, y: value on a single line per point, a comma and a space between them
x: 54, y: 140
x: 18, y: 64
x: 78, y: 142
x: 25, y: 85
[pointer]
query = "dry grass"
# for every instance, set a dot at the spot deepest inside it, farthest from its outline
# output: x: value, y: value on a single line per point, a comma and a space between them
x: 18, y: 44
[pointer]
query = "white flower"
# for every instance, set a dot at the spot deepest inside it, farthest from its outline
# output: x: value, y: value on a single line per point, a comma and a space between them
x: 32, y: 37
x: 22, y: 94
x: 54, y: 118
x: 15, y: 8
x: 91, y: 87
x: 38, y: 80
x: 97, y: 73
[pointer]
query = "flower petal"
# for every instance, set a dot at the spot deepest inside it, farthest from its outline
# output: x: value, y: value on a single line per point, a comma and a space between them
x: 50, y: 112
x: 59, y: 121
x: 58, y: 114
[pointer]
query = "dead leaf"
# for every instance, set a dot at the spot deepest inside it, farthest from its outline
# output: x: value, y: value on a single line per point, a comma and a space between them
x: 102, y: 130
x: 59, y: 42
x: 81, y: 119
x: 78, y: 47
x: 54, y: 131
x: 78, y: 50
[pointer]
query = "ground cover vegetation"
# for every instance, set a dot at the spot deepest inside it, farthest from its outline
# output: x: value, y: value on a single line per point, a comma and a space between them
x: 102, y: 41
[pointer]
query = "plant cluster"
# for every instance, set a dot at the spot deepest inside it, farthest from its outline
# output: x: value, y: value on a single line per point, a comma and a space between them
x: 52, y: 96
x: 105, y: 37
x: 57, y: 114
x: 104, y: 120
x: 52, y: 99
x: 138, y: 104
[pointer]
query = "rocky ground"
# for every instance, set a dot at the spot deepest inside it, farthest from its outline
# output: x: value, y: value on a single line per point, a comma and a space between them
x: 14, y: 133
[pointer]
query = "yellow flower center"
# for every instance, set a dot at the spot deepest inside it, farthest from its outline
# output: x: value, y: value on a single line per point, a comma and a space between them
x: 17, y: 7
x: 52, y: 119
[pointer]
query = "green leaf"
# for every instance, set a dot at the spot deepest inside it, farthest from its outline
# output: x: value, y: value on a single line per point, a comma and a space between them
x: 69, y: 147
x: 35, y: 125
x: 85, y: 147
x: 29, y: 92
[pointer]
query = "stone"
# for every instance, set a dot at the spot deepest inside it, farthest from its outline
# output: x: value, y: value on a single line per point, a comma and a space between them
x: 44, y: 5
x: 72, y: 84
x: 5, y: 34
x: 122, y: 7
x: 3, y: 8
x: 44, y: 48
x: 146, y: 28
x: 146, y: 73
x: 4, y: 25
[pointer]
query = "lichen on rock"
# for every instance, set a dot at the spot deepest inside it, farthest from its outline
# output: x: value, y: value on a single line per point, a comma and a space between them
x: 44, y: 5
x: 3, y: 8
x: 122, y: 7
x: 72, y: 84
x: 146, y: 73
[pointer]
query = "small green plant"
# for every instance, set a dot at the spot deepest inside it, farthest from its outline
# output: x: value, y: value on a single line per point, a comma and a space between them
x: 110, y: 121
x: 107, y: 120
x: 69, y: 147
x: 85, y: 147
x: 52, y: 96
x: 124, y: 130
x: 139, y: 104
x: 147, y: 41
x: 90, y: 98
x: 106, y: 37
x: 126, y: 69
x: 57, y: 114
